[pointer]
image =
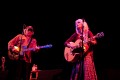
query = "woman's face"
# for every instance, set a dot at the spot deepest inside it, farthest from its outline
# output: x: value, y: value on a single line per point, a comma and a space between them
x: 79, y: 23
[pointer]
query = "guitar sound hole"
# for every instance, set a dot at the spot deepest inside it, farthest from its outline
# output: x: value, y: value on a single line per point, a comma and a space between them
x: 77, y: 50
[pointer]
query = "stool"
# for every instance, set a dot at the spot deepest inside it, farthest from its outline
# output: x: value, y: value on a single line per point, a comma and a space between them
x: 34, y: 75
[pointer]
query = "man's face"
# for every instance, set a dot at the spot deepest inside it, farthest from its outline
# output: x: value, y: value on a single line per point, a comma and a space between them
x: 29, y: 31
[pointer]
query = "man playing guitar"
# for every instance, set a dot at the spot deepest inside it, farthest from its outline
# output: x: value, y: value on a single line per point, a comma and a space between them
x: 21, y: 61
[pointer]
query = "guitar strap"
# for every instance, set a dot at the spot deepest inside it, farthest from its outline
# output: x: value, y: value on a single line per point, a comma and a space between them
x: 27, y: 47
x: 29, y: 42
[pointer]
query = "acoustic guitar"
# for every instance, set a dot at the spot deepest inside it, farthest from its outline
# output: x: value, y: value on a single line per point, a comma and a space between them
x: 72, y: 54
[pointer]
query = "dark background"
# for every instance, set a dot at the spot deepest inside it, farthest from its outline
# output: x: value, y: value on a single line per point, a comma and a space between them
x: 54, y: 24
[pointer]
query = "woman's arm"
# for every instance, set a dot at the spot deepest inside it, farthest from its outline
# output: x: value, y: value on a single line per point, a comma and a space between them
x: 69, y: 40
x: 93, y: 41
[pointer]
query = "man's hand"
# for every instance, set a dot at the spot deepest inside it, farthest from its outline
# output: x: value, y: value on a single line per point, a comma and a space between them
x: 37, y: 48
x: 15, y: 49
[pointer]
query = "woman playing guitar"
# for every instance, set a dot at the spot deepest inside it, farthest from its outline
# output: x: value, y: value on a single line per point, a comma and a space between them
x: 80, y: 43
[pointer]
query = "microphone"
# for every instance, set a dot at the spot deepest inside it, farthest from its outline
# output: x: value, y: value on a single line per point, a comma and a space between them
x: 83, y: 20
x: 24, y: 26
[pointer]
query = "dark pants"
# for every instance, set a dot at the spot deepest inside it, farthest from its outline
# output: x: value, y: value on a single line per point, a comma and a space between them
x: 77, y: 71
x: 19, y: 70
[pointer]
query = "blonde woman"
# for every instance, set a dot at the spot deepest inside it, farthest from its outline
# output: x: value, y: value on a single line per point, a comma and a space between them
x: 84, y: 64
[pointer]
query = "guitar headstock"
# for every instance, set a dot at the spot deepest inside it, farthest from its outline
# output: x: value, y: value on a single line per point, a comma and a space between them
x: 46, y: 46
x: 99, y: 35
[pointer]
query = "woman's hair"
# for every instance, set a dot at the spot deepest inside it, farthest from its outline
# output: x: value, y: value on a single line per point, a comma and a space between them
x: 85, y: 29
x: 85, y: 25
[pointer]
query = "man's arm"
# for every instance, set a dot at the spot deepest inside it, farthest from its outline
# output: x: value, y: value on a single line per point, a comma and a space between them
x: 34, y: 45
x: 13, y: 41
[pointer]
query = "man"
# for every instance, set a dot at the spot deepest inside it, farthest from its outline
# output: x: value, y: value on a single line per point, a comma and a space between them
x: 20, y: 60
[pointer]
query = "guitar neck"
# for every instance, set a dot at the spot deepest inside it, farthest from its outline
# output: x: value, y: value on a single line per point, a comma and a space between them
x: 90, y: 39
x: 32, y: 49
x: 98, y: 35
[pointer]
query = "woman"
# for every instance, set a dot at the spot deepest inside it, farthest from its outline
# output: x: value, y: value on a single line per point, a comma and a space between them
x: 82, y: 38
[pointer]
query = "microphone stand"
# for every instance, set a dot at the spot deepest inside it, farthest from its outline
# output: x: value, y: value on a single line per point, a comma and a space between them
x: 3, y: 63
x: 82, y: 56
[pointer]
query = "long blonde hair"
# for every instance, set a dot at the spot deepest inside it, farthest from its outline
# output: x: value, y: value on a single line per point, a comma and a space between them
x: 85, y: 29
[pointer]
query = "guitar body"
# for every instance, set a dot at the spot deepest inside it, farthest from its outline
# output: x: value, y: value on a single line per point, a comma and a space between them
x: 13, y: 55
x: 16, y: 55
x: 72, y: 55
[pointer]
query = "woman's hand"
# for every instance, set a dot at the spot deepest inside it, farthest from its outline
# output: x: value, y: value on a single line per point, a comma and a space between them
x: 72, y: 45
x: 93, y: 42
